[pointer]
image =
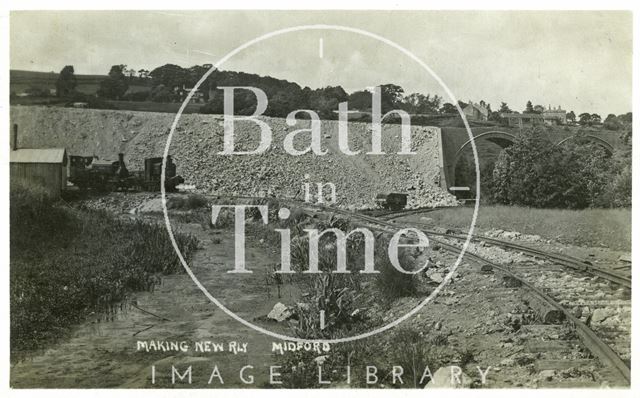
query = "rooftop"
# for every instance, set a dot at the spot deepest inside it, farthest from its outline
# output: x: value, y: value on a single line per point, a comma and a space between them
x: 49, y: 155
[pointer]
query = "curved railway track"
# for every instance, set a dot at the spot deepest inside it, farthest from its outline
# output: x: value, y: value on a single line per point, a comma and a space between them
x: 598, y: 343
x: 563, y: 259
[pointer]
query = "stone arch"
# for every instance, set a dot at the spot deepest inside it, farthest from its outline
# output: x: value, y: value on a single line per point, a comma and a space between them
x: 592, y: 138
x: 501, y: 138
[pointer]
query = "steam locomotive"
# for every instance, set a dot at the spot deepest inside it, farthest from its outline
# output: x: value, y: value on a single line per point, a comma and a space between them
x: 89, y: 172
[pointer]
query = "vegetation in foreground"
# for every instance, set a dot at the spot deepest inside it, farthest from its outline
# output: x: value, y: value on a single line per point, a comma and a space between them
x: 66, y: 264
x: 587, y: 227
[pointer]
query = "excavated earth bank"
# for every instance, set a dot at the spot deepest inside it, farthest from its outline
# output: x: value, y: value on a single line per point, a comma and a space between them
x: 199, y: 138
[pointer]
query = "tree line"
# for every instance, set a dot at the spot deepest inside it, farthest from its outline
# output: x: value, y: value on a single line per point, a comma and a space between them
x: 172, y: 83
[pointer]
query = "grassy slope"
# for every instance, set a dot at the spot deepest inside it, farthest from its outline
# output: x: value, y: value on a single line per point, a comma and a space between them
x: 590, y: 227
x: 65, y: 264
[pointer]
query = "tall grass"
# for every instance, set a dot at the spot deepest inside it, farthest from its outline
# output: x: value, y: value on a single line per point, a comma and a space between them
x: 65, y: 264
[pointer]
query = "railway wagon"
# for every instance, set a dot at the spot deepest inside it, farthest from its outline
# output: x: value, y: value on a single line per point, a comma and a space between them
x: 393, y: 201
x: 153, y: 173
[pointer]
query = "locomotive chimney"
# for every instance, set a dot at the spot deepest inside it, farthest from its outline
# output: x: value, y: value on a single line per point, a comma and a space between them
x: 15, y: 137
x: 122, y: 168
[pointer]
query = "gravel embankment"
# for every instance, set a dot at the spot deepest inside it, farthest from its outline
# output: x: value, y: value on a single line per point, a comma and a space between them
x: 199, y: 138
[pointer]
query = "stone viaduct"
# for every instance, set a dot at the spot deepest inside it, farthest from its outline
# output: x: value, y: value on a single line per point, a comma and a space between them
x: 455, y: 143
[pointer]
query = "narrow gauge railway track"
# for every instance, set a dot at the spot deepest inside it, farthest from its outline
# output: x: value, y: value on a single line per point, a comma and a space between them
x: 392, y: 214
x: 565, y: 260
x: 408, y: 212
x: 562, y: 259
x: 597, y: 344
x: 594, y: 342
x: 559, y: 297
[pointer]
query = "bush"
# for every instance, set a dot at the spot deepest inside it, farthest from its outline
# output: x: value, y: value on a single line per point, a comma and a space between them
x: 534, y: 172
x: 617, y: 190
x: 391, y: 282
x: 414, y: 355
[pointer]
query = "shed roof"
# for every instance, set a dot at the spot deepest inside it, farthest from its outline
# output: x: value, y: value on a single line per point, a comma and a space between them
x: 49, y: 155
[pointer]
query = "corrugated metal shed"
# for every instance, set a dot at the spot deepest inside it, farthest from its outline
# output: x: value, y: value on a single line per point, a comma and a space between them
x: 44, y: 168
x: 50, y: 155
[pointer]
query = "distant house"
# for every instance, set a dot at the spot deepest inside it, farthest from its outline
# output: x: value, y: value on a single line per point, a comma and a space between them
x: 44, y: 168
x: 555, y: 116
x: 198, y: 96
x: 475, y: 111
x: 550, y: 116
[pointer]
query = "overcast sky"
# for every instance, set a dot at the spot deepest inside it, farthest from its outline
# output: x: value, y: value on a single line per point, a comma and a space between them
x: 579, y: 60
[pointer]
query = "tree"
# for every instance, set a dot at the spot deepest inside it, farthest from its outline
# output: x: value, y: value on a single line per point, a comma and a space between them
x: 529, y: 108
x: 448, y: 108
x: 504, y: 108
x: 536, y: 172
x: 538, y: 109
x: 143, y: 74
x: 584, y: 119
x: 161, y: 93
x: 417, y: 103
x: 170, y: 76
x: 612, y: 122
x: 392, y: 96
x: 325, y: 101
x: 627, y: 117
x: 571, y: 116
x: 66, y: 83
x: 595, y: 118
x: 115, y: 85
x: 360, y: 100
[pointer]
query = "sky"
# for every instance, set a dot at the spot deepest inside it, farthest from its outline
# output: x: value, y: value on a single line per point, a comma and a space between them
x: 580, y: 60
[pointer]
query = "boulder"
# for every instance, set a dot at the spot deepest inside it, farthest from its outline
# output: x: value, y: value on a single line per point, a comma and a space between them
x: 280, y: 313
x: 547, y: 374
x: 436, y: 277
x: 600, y: 314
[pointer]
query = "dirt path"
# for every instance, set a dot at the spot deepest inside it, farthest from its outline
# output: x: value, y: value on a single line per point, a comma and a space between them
x: 104, y: 354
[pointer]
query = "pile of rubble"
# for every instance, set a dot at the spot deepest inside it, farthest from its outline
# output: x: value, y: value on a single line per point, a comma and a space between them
x: 512, y: 235
x: 198, y: 139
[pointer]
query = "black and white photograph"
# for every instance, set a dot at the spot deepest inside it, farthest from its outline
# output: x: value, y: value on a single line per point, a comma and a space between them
x: 375, y: 198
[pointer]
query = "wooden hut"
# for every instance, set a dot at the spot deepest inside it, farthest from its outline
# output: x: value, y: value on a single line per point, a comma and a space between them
x: 45, y: 168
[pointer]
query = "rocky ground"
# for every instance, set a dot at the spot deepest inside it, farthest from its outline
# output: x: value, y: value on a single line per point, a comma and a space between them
x: 476, y: 321
x: 198, y: 139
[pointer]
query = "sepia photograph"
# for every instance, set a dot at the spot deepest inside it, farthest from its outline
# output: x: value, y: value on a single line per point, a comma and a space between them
x: 379, y: 198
